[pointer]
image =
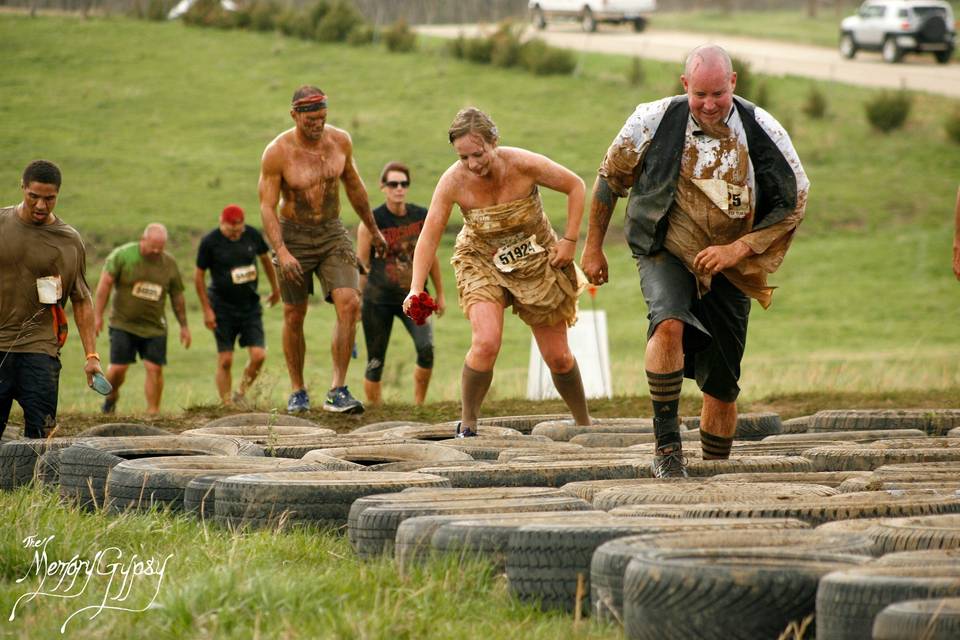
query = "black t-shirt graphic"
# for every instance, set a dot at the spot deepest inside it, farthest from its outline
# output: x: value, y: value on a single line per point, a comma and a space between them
x: 390, y: 275
x: 232, y: 265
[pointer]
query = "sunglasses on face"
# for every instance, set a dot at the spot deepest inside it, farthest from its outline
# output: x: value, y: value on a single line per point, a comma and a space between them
x: 393, y: 184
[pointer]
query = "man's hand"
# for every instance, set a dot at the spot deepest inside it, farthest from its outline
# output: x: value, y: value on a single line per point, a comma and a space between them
x: 98, y: 324
x: 441, y: 305
x: 562, y: 253
x: 715, y: 259
x: 185, y: 337
x: 288, y: 266
x: 378, y: 242
x: 273, y: 298
x: 91, y: 367
x: 410, y: 296
x: 594, y: 265
x: 956, y: 260
x: 209, y: 318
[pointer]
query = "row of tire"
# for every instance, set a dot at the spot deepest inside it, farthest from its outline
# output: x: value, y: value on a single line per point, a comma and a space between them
x: 543, y: 499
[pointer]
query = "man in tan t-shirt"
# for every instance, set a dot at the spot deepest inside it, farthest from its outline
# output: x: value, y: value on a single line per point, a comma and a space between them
x: 143, y: 275
x: 301, y: 171
x: 42, y: 263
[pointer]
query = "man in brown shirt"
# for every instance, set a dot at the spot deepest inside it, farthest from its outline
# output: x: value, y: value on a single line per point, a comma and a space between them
x: 301, y: 171
x: 42, y: 263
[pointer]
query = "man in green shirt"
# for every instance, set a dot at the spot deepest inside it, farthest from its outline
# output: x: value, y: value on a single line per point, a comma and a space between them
x: 143, y: 275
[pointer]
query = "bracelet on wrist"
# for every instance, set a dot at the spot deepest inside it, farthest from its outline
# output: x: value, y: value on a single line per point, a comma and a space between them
x: 569, y: 239
x: 93, y: 354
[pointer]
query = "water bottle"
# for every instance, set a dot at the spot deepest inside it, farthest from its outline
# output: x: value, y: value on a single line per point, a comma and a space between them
x: 100, y: 384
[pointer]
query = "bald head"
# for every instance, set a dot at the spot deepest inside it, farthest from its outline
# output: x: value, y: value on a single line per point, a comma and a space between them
x: 153, y: 241
x: 707, y: 56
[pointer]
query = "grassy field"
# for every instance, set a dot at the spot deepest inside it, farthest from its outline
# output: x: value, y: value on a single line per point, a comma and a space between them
x: 161, y: 122
x: 786, y: 25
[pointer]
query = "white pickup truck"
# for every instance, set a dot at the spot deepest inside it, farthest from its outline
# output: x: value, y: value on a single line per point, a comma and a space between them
x: 591, y: 12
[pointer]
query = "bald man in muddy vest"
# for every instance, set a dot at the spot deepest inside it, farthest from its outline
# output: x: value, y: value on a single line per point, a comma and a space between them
x: 300, y: 175
x: 716, y: 191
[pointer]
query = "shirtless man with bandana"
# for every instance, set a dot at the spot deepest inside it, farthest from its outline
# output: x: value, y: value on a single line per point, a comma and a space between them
x: 301, y: 171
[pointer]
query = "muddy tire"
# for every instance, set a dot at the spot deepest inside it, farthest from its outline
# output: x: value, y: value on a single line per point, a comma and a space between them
x: 317, y: 498
x: 610, y: 560
x: 199, y: 496
x: 547, y: 474
x: 750, y: 426
x: 934, y: 422
x: 863, y: 458
x: 265, y: 434
x: 447, y: 432
x: 845, y: 436
x: 833, y: 479
x: 18, y: 459
x: 374, y: 427
x: 795, y: 425
x: 376, y: 528
x: 376, y: 454
x: 876, y: 504
x: 848, y: 601
x: 739, y: 593
x: 705, y: 493
x: 934, y: 619
x: 244, y: 419
x: 912, y: 534
x: 748, y: 464
x: 122, y: 429
x: 47, y: 470
x: 563, y: 430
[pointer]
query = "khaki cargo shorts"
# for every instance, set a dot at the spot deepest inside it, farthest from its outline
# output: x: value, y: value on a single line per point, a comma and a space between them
x: 323, y: 249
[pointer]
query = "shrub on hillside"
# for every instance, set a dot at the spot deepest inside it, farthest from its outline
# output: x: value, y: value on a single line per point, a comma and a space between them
x: 540, y: 58
x: 456, y: 46
x: 478, y: 50
x: 815, y: 105
x: 337, y: 22
x: 157, y: 10
x: 952, y: 125
x: 262, y: 15
x: 888, y: 111
x: 399, y: 37
x: 744, y: 77
x: 294, y: 23
x: 761, y: 97
x: 505, y: 45
x: 209, y: 13
x: 636, y: 75
x: 362, y: 35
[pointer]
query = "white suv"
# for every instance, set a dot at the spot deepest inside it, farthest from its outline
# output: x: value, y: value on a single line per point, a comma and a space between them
x: 895, y: 27
x: 590, y: 12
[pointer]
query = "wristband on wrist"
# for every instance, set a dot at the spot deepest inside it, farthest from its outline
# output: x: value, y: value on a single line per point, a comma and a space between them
x: 569, y: 239
x: 93, y: 354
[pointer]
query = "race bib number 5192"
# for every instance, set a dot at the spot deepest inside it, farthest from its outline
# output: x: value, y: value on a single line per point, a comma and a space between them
x: 509, y: 257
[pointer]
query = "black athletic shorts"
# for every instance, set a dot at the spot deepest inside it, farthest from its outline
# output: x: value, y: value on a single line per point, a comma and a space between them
x: 377, y: 324
x: 33, y: 380
x: 125, y: 346
x: 714, y: 325
x: 247, y: 324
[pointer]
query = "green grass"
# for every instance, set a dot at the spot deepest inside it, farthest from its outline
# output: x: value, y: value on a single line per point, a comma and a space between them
x: 161, y: 122
x: 302, y: 583
x: 788, y: 25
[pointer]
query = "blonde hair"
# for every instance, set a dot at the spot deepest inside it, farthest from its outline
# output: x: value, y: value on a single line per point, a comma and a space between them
x: 472, y: 120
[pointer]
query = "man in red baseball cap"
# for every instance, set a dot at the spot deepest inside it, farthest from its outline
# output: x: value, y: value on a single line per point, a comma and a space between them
x: 231, y: 304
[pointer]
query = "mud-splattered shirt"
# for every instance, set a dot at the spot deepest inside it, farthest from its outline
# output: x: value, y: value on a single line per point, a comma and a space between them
x: 29, y: 253
x: 391, y: 274
x: 715, y: 197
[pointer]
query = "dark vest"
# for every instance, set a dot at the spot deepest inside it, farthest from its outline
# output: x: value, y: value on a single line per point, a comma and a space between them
x: 652, y: 194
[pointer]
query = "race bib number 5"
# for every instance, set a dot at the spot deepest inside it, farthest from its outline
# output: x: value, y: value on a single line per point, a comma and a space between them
x: 147, y: 291
x: 509, y: 257
x: 241, y: 275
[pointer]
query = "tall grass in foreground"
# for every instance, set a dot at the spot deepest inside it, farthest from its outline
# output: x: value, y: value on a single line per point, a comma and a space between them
x: 301, y: 583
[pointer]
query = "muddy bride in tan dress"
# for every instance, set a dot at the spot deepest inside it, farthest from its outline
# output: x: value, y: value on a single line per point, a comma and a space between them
x: 506, y: 255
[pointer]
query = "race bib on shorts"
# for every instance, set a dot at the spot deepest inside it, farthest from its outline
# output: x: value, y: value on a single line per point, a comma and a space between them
x: 242, y: 275
x: 732, y: 199
x: 147, y: 291
x: 509, y: 257
x: 49, y: 289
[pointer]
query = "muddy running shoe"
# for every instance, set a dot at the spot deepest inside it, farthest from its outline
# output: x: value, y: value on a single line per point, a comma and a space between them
x: 466, y: 432
x: 299, y: 402
x: 339, y: 400
x: 109, y: 405
x: 669, y: 463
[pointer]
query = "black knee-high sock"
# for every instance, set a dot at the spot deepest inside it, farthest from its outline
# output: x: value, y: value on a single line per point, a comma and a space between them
x: 665, y: 395
x: 714, y: 447
x: 473, y: 388
x: 570, y: 387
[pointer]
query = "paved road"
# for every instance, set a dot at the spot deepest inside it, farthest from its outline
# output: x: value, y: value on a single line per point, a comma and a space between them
x: 920, y: 73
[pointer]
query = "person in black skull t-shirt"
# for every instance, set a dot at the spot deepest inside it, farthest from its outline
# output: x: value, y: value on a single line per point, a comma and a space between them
x: 388, y: 281
x: 231, y: 306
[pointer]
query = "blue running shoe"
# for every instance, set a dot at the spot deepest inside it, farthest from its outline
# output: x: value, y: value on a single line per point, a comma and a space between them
x: 466, y: 432
x: 339, y: 400
x: 299, y: 402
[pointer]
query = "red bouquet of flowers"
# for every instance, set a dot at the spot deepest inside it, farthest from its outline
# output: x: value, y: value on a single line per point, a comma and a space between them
x: 421, y: 306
